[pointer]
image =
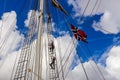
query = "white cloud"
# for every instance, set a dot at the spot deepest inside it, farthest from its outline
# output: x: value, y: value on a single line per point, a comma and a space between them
x: 113, y: 62
x: 110, y: 71
x: 108, y: 24
x: 9, y: 42
x: 77, y: 72
x: 6, y: 69
x: 65, y: 46
x: 62, y: 44
x: 110, y: 21
x: 65, y: 40
x: 32, y: 15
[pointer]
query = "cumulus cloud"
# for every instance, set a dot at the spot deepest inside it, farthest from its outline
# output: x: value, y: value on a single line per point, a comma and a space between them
x: 65, y: 40
x: 110, y: 21
x: 6, y: 69
x: 32, y: 15
x: 113, y: 62
x: 110, y: 71
x: 9, y: 42
x: 79, y: 6
x: 77, y: 72
x: 60, y: 51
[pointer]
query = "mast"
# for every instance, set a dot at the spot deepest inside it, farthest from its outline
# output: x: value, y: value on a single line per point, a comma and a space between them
x: 52, y: 58
x: 27, y: 68
x: 38, y: 61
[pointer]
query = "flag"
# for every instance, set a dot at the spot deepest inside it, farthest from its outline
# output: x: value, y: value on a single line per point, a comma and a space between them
x: 79, y: 34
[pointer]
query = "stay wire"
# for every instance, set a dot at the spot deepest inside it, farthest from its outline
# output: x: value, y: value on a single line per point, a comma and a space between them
x: 83, y: 12
x: 32, y: 68
x: 6, y: 55
x: 79, y: 56
x: 46, y: 40
x: 94, y: 7
x: 60, y: 51
x: 30, y: 46
x: 57, y: 74
x: 27, y: 43
x: 64, y: 64
x: 40, y: 59
x: 90, y: 63
x: 5, y: 39
x: 66, y: 61
x: 95, y: 70
x: 15, y: 62
x: 100, y: 1
x: 96, y: 12
x: 46, y: 54
x: 91, y: 14
x: 103, y: 29
x: 95, y: 63
x: 5, y: 21
x: 49, y: 33
x: 58, y: 46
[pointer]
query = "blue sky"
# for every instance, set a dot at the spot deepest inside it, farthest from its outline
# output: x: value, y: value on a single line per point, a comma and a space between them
x: 100, y: 42
x: 103, y: 41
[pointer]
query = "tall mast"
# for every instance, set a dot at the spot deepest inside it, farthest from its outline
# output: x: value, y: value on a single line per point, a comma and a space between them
x: 38, y: 61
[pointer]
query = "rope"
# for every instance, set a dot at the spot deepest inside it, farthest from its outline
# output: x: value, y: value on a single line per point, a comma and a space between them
x: 31, y: 64
x: 83, y: 12
x: 30, y: 35
x: 95, y: 63
x: 27, y: 42
x: 7, y: 35
x: 94, y: 7
x: 46, y: 58
x: 95, y: 12
x: 100, y: 1
x: 29, y: 70
x: 61, y: 62
x: 88, y: 58
x: 15, y: 64
x: 60, y: 54
x: 86, y: 73
x: 57, y: 19
x: 5, y: 55
x: 79, y: 57
x: 98, y: 27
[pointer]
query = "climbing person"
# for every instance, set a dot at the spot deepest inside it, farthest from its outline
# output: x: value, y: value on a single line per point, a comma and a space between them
x: 52, y: 46
x: 52, y: 64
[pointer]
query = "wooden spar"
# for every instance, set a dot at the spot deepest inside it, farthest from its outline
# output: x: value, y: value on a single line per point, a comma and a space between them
x: 38, y: 61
